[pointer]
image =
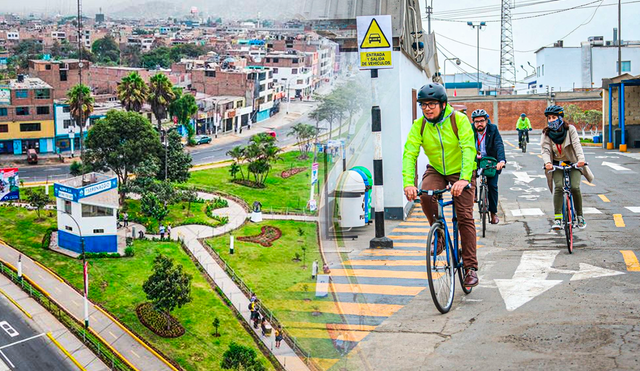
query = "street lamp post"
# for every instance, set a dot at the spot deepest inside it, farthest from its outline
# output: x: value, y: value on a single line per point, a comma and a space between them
x: 165, y: 134
x: 444, y: 79
x: 85, y: 274
x: 478, y: 27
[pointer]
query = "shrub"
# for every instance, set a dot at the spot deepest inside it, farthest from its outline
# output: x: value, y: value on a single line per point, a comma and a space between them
x: 46, y: 239
x: 99, y: 255
x: 221, y: 220
x: 128, y: 252
x: 162, y: 324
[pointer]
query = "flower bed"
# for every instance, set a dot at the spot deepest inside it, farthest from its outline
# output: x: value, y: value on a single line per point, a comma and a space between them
x: 265, y: 238
x: 157, y: 322
x: 291, y: 172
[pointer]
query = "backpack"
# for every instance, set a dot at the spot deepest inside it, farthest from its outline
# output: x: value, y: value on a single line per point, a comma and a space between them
x: 454, y: 126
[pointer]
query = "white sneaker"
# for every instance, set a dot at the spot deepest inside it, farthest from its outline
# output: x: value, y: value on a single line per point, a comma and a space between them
x: 557, y: 225
x: 582, y: 224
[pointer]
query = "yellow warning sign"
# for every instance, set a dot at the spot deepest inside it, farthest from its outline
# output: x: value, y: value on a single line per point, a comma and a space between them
x: 374, y: 38
x: 375, y: 59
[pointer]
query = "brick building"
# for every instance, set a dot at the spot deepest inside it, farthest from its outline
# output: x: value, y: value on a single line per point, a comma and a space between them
x: 26, y: 116
x: 61, y: 75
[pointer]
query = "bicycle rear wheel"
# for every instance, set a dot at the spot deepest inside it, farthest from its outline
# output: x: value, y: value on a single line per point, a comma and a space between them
x: 523, y: 144
x: 440, y: 270
x: 462, y: 273
x: 568, y: 223
x: 482, y: 206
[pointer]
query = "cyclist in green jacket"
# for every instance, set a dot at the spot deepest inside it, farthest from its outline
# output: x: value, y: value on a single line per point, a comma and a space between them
x: 451, y: 150
x: 524, y: 127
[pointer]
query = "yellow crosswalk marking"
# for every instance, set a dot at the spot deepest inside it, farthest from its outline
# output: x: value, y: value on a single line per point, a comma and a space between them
x: 377, y: 289
x: 617, y: 218
x: 407, y: 237
x: 377, y: 273
x: 416, y: 224
x: 388, y: 263
x: 411, y: 230
x: 358, y: 309
x: 392, y: 252
x: 631, y: 260
x: 410, y: 244
x: 604, y: 198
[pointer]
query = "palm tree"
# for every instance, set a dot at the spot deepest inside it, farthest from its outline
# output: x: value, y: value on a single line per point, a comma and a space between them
x: 132, y: 92
x: 80, y: 106
x: 160, y: 96
x: 238, y: 156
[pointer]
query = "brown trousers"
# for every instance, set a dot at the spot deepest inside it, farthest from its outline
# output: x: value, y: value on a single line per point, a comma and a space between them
x: 464, y: 211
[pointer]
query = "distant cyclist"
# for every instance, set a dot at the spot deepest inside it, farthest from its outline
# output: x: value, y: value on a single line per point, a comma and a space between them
x: 489, y: 143
x: 447, y: 140
x: 524, y: 127
x: 560, y: 143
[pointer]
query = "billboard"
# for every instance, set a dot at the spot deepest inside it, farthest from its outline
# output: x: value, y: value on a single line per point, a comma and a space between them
x: 5, y: 96
x: 9, y: 184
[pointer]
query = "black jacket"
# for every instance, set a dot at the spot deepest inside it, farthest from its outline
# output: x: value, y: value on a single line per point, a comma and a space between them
x: 493, y: 143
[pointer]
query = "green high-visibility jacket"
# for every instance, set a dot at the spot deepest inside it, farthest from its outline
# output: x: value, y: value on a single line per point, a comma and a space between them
x: 523, y: 124
x: 447, y: 154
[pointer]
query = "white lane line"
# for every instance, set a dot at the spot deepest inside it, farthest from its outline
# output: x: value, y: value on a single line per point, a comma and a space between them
x: 22, y: 341
x: 615, y: 166
x: 8, y: 329
x: 527, y: 212
x: 633, y: 209
x: 4, y: 367
x: 591, y: 210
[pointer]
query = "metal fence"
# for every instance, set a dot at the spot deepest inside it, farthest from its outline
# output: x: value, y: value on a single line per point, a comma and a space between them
x: 88, y: 338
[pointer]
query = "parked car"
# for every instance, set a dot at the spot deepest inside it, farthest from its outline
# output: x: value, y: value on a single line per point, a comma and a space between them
x: 272, y: 133
x: 202, y: 139
x: 32, y: 156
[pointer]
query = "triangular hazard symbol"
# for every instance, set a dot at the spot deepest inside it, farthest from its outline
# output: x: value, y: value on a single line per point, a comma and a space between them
x: 374, y: 37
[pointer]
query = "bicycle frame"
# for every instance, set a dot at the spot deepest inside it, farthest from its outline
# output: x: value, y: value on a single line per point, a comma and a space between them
x: 566, y: 190
x: 447, y: 236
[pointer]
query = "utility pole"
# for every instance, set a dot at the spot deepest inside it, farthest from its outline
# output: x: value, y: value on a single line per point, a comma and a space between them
x: 507, y: 55
x: 619, y: 38
x: 478, y: 27
x: 429, y: 11
x: 81, y: 98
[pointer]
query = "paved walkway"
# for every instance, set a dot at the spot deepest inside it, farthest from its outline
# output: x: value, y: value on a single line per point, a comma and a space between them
x: 130, y: 348
x: 45, y: 322
x: 301, y: 218
x: 191, y: 235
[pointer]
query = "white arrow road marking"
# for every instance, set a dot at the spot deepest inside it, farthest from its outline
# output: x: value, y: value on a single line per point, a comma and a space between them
x: 527, y: 212
x: 587, y: 271
x: 633, y: 209
x: 529, y: 279
x: 522, y: 176
x: 615, y: 166
x: 591, y: 210
x: 607, y: 157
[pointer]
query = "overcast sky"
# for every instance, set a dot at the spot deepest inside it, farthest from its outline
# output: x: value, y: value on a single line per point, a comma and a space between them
x: 528, y: 34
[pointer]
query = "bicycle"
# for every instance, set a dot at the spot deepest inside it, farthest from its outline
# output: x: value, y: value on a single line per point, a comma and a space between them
x: 523, y: 140
x: 569, y: 220
x: 483, y: 197
x: 441, y: 268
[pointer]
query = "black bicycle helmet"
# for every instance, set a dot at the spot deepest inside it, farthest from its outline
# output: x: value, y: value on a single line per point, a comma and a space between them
x: 432, y: 91
x: 554, y: 110
x: 479, y: 113
x: 523, y: 115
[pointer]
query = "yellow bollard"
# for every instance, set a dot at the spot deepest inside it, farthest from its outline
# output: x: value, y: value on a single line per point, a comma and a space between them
x: 623, y: 148
x: 610, y: 145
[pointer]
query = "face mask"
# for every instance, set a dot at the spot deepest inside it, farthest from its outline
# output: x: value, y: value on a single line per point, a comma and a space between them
x: 556, y: 124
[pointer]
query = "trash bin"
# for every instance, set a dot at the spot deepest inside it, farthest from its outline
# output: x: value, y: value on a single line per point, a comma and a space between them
x: 617, y: 137
x: 351, y: 199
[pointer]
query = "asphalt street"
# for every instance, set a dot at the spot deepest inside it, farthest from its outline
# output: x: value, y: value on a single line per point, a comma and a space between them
x: 537, y: 306
x: 23, y: 347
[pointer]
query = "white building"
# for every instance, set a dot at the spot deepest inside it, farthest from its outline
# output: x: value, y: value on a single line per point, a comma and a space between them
x: 68, y: 132
x: 87, y: 210
x: 567, y: 68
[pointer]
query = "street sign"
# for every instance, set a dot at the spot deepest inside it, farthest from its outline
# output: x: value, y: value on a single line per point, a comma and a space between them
x: 375, y: 42
x: 314, y: 173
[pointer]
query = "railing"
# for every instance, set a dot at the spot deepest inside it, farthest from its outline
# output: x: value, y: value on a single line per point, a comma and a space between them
x: 87, y: 336
x: 265, y: 312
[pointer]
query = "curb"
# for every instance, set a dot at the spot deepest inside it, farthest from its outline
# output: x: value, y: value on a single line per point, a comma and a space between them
x: 591, y: 145
x: 75, y: 362
x: 16, y: 304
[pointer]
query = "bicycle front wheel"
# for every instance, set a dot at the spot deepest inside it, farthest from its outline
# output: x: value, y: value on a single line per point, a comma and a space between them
x: 524, y: 145
x: 440, y: 269
x: 483, y: 209
x: 568, y: 223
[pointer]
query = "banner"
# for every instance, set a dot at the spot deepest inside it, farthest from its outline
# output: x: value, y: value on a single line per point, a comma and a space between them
x: 5, y: 96
x: 9, y: 184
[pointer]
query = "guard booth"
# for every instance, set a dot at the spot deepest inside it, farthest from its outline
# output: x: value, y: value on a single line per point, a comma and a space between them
x: 87, y: 208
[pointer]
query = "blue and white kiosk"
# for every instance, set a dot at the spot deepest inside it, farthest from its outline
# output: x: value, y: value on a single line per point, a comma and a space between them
x: 87, y: 209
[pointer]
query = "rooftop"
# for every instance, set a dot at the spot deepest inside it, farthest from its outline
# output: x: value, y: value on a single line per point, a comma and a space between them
x: 91, y: 178
x: 29, y: 83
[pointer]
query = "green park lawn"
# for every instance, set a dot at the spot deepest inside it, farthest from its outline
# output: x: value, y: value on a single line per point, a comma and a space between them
x: 116, y: 284
x: 279, y: 195
x: 179, y: 214
x: 281, y: 283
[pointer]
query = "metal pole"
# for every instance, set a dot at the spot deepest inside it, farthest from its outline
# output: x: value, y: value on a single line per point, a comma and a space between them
x: 429, y: 10
x: 166, y: 154
x: 478, y: 61
x: 380, y: 241
x: 85, y: 275
x: 610, y: 115
x: 619, y: 38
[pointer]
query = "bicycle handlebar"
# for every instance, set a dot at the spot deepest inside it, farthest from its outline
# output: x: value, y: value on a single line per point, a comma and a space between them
x: 572, y: 166
x: 435, y: 192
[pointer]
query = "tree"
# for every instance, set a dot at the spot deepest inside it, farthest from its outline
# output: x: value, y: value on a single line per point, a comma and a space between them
x: 160, y: 96
x: 178, y: 160
x: 81, y: 104
x: 121, y: 142
x: 238, y: 156
x: 260, y: 153
x: 303, y: 134
x: 189, y: 195
x: 56, y: 50
x: 593, y: 119
x: 132, y: 92
x: 151, y: 206
x: 354, y: 96
x: 184, y: 107
x: 158, y: 57
x: 216, y: 324
x: 168, y: 287
x: 26, y: 50
x: 239, y: 357
x: 319, y: 114
x: 131, y: 56
x: 106, y: 50
x: 37, y: 199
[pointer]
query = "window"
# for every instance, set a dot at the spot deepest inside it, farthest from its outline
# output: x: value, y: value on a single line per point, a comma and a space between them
x: 275, y: 70
x: 210, y: 73
x: 47, y: 67
x: 295, y: 60
x: 268, y: 60
x: 43, y: 110
x: 30, y: 127
x: 63, y: 75
x: 626, y: 66
x: 4, y: 128
x: 22, y: 111
x: 21, y: 94
x: 299, y: 82
x: 67, y: 124
x: 67, y: 207
x: 42, y: 94
x: 276, y: 60
x: 3, y: 111
x: 68, y: 228
x: 66, y: 109
x: 294, y: 71
x: 240, y: 104
x: 98, y: 231
x: 89, y: 211
x: 543, y: 70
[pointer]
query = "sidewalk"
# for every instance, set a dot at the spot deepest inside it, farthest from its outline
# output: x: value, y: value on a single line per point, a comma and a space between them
x: 121, y: 340
x: 190, y: 235
x: 47, y: 323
